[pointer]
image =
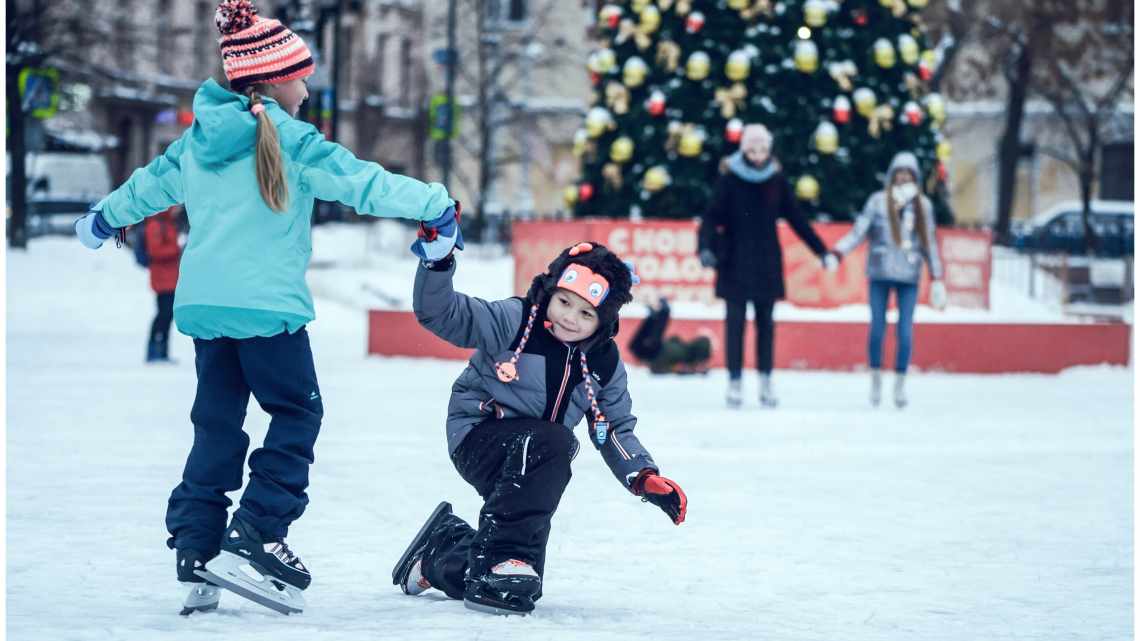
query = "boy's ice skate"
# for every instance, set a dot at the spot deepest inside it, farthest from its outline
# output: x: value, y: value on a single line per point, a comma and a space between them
x: 407, y: 573
x: 265, y: 572
x: 876, y: 387
x: 509, y: 588
x: 203, y: 596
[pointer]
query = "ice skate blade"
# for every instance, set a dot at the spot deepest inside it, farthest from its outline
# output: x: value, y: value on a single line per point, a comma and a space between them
x: 239, y: 576
x: 399, y: 572
x: 490, y: 609
x: 203, y: 597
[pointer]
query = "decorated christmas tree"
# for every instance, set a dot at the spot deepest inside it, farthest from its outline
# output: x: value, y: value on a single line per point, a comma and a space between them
x: 840, y: 83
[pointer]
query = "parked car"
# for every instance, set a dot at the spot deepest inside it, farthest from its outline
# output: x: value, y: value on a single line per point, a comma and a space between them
x: 61, y: 187
x: 1060, y: 229
x: 1056, y: 238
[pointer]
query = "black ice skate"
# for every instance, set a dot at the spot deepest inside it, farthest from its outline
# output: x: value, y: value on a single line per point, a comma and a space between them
x: 263, y: 571
x: 509, y: 588
x: 203, y: 595
x: 407, y: 572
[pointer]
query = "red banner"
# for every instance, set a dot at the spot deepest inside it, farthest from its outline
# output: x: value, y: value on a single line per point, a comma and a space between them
x: 665, y: 256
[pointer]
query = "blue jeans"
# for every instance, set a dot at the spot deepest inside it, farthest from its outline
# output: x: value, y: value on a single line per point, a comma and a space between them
x: 278, y: 371
x: 906, y: 295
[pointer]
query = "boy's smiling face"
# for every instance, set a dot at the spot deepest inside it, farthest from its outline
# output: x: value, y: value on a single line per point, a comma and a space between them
x: 572, y: 317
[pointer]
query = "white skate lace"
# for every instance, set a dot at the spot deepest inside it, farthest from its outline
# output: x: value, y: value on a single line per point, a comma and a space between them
x: 284, y: 554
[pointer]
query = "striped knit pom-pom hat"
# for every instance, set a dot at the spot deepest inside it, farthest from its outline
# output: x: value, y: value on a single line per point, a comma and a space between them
x: 258, y: 50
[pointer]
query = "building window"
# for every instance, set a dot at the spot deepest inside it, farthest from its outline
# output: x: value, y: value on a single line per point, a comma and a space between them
x: 167, y: 45
x: 405, y: 71
x: 507, y: 11
x: 1116, y: 166
x: 204, y: 32
x: 376, y: 77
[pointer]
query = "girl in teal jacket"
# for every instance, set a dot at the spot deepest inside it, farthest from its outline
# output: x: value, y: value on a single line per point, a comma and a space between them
x: 248, y: 173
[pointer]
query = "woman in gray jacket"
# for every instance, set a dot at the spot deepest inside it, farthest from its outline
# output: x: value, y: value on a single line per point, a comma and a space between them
x: 542, y: 364
x: 898, y: 223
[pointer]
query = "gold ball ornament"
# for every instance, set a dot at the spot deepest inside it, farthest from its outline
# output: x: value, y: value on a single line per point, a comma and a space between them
x: 826, y: 138
x: 581, y: 139
x: 638, y: 5
x: 697, y: 66
x: 807, y: 188
x: 929, y: 57
x: 650, y: 19
x: 598, y: 120
x: 606, y: 60
x: 908, y: 49
x: 887, y: 3
x: 815, y: 13
x: 692, y: 141
x: 936, y: 107
x: 622, y: 150
x: 570, y: 196
x: 634, y: 71
x: 865, y: 101
x: 884, y: 53
x: 943, y: 150
x: 739, y: 5
x: 739, y: 65
x: 917, y: 4
x: 656, y: 179
x: 806, y: 56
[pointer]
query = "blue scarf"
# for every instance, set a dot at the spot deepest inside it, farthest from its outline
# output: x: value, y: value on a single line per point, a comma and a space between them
x: 748, y: 172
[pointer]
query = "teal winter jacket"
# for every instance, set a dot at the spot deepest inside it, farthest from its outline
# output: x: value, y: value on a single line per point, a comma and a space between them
x: 243, y: 268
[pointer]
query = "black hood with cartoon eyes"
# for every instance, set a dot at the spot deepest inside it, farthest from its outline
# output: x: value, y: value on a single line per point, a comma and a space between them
x: 601, y: 261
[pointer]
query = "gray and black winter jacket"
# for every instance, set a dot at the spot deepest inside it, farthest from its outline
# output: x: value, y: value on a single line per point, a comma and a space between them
x: 887, y: 260
x: 549, y: 384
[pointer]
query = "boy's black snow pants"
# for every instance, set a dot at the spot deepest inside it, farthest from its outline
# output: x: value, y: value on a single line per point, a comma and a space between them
x: 279, y: 371
x: 520, y: 467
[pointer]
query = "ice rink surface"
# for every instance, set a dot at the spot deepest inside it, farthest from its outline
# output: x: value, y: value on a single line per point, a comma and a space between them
x: 994, y: 507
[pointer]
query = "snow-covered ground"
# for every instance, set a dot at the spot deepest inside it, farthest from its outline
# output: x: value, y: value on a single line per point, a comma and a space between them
x: 993, y: 507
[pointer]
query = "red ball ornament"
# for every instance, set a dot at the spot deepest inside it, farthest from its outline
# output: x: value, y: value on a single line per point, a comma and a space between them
x: 655, y: 105
x: 841, y: 110
x: 943, y: 173
x: 913, y: 113
x: 733, y: 130
x: 694, y: 22
x: 925, y: 72
x: 612, y: 20
x: 595, y: 78
x: 859, y: 17
x: 585, y: 192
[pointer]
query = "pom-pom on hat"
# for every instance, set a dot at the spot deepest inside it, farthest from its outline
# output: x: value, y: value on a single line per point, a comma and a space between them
x: 258, y: 50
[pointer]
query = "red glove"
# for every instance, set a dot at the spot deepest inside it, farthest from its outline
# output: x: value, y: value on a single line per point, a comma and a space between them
x: 663, y: 493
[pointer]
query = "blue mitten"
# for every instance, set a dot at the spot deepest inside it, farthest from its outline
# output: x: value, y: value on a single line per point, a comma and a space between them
x: 437, y: 238
x: 93, y: 229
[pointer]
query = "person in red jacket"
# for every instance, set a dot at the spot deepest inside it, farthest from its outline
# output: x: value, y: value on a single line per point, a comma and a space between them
x: 164, y: 252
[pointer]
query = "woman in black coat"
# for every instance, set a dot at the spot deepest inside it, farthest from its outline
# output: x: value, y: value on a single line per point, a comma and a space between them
x: 738, y: 237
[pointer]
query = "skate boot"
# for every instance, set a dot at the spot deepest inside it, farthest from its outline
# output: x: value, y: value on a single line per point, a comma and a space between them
x: 408, y: 573
x: 767, y: 396
x: 203, y: 595
x: 734, y: 396
x: 876, y: 387
x: 900, y: 391
x: 509, y: 588
x: 264, y: 571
